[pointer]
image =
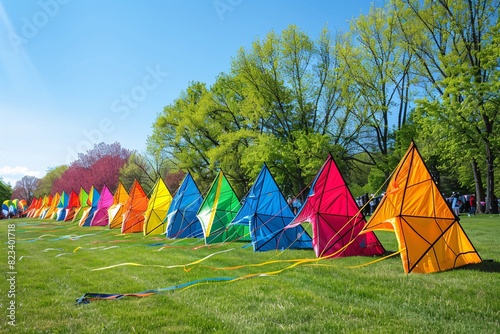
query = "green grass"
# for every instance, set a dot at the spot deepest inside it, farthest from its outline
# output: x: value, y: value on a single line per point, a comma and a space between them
x: 329, y: 297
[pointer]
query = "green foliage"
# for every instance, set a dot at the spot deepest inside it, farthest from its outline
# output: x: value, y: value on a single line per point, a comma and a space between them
x: 457, y: 48
x: 329, y: 296
x: 378, y: 70
x: 357, y: 177
x: 188, y: 129
x: 412, y: 70
x: 279, y: 105
x: 137, y: 169
x: 307, y: 154
x: 46, y: 182
x: 5, y: 191
x: 376, y: 182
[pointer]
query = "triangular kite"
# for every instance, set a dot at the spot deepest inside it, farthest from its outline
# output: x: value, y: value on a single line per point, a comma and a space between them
x: 46, y: 202
x: 100, y: 217
x: 83, y: 197
x: 267, y: 213
x: 429, y: 236
x: 182, y: 221
x: 136, y: 205
x: 61, y: 206
x: 92, y: 201
x: 116, y: 210
x: 216, y: 212
x: 73, y: 204
x: 52, y: 211
x: 157, y: 209
x: 335, y: 217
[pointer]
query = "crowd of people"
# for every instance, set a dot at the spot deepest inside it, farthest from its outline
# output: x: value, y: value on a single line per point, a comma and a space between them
x: 463, y: 204
x: 9, y: 215
x: 460, y: 204
x: 369, y: 203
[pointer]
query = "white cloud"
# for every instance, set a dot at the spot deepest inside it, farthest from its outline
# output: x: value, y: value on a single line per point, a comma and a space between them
x: 13, y: 174
x: 11, y: 181
x: 8, y: 170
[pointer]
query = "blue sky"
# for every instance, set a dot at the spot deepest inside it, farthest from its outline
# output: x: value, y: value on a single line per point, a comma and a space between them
x: 77, y: 72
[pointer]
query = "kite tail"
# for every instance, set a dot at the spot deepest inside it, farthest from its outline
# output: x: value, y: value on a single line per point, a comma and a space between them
x: 90, y: 296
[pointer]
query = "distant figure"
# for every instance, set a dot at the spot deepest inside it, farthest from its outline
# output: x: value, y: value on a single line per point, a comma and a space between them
x: 359, y: 202
x: 472, y: 203
x: 495, y: 208
x: 456, y: 203
x: 365, y: 199
x: 296, y: 204
x: 373, y: 203
x: 465, y: 206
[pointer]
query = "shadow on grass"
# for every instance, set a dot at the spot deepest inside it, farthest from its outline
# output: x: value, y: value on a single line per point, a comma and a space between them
x: 489, y: 266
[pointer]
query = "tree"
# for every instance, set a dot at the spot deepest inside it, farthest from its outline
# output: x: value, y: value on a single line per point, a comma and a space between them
x: 72, y: 179
x: 289, y: 100
x: 457, y: 46
x: 294, y: 84
x: 137, y: 168
x: 97, y: 167
x: 173, y: 180
x: 183, y: 134
x: 46, y: 182
x: 5, y: 191
x: 100, y: 150
x: 377, y: 69
x: 25, y: 188
x: 279, y: 105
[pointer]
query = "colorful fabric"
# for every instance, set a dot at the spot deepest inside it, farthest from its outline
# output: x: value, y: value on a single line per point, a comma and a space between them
x: 429, y: 235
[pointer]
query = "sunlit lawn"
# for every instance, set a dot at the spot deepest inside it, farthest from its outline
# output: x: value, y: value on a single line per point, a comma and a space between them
x: 55, y: 261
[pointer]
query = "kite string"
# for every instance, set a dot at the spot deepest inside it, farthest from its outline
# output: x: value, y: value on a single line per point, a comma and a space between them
x: 162, y: 266
x: 298, y: 261
x: 228, y: 240
x: 358, y: 213
x: 299, y: 235
x: 87, y: 297
x: 378, y: 260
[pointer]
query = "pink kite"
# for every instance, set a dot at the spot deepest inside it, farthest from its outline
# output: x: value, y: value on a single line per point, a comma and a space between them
x: 101, y: 214
x: 335, y: 217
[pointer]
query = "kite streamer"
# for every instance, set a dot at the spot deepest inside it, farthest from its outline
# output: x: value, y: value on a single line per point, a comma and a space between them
x: 90, y: 296
x: 161, y: 266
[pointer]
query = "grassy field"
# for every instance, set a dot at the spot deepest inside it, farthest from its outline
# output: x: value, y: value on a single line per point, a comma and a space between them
x: 55, y: 261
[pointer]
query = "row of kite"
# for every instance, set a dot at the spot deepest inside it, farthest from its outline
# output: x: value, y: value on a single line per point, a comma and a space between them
x: 13, y: 207
x: 430, y: 237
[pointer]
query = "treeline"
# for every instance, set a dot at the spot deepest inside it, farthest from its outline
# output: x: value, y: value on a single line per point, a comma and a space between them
x: 423, y: 70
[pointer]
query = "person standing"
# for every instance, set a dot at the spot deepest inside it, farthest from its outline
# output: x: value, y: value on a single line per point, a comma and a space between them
x: 472, y: 203
x: 456, y: 204
x: 373, y: 203
x: 296, y: 204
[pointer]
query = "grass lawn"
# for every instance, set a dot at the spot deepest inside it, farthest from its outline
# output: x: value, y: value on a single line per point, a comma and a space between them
x: 55, y: 261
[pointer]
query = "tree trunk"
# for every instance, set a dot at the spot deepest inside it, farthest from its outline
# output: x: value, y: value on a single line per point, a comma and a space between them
x: 479, y: 185
x: 491, y: 200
